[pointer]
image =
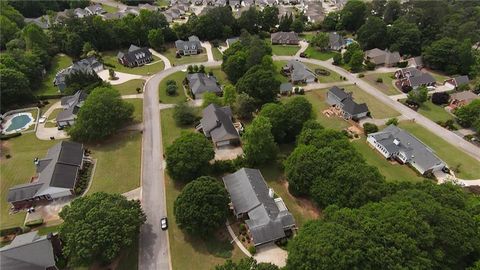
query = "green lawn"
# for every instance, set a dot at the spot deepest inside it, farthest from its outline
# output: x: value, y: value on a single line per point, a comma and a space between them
x: 190, y: 59
x: 386, y: 86
x: 311, y: 52
x: 217, y: 55
x: 285, y: 49
x: 110, y: 58
x: 318, y: 100
x: 59, y: 62
x: 170, y: 130
x: 278, y: 67
x: 47, y: 230
x: 118, y: 163
x: 332, y: 77
x: 130, y: 87
x: 434, y: 112
x: 219, y: 74
x: 440, y: 78
x: 18, y: 170
x: 138, y: 105
x: 469, y: 167
x: 162, y: 89
x: 109, y: 9
x: 392, y: 172
x: 163, y: 3
x: 377, y: 108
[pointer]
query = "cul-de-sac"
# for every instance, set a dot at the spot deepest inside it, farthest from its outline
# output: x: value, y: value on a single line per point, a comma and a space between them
x: 239, y: 134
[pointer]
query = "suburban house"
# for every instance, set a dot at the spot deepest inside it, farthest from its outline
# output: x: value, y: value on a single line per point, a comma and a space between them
x: 298, y: 72
x: 407, y: 72
x: 416, y: 62
x: 230, y: 41
x: 314, y: 11
x: 189, y: 47
x: 147, y: 6
x: 460, y: 99
x: 95, y: 10
x: 30, y: 251
x: 200, y: 83
x: 88, y: 65
x: 338, y: 98
x: 285, y: 38
x: 285, y: 88
x: 382, y: 57
x: 81, y: 13
x: 458, y: 81
x: 395, y: 143
x: 71, y: 105
x: 216, y: 124
x: 267, y: 217
x: 416, y: 80
x: 56, y: 176
x: 42, y: 21
x: 135, y: 56
x: 336, y: 42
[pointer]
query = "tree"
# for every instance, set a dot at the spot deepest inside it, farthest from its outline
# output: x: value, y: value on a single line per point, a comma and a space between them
x: 15, y: 88
x: 156, y: 39
x: 320, y: 41
x: 449, y: 55
x: 440, y: 98
x: 352, y: 48
x: 405, y: 37
x: 352, y: 16
x: 418, y: 96
x: 297, y: 26
x: 202, y: 206
x: 8, y: 29
x: 331, y: 21
x: 356, y: 61
x: 211, y: 98
x: 468, y: 114
x: 269, y: 18
x: 370, y: 128
x: 234, y: 66
x: 244, y: 106
x: 285, y: 23
x: 246, y: 264
x: 258, y: 143
x: 337, y: 58
x: 393, y: 10
x: 183, y: 114
x: 111, y: 74
x: 301, y: 168
x: 188, y: 156
x: 249, y: 20
x: 229, y: 95
x: 102, y: 114
x: 373, y: 34
x: 260, y: 84
x: 35, y: 37
x: 98, y: 227
x: 392, y: 121
x: 172, y: 89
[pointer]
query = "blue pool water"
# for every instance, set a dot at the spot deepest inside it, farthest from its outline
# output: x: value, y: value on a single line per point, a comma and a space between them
x: 18, y: 121
x: 349, y: 41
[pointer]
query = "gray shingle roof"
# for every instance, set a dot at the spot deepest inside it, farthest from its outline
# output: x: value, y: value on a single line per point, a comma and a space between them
x: 193, y: 43
x: 27, y: 251
x: 285, y: 87
x: 461, y: 80
x: 217, y: 123
x: 421, y: 79
x: 135, y: 53
x: 338, y: 92
x: 300, y: 72
x: 250, y: 194
x: 353, y: 108
x: 72, y: 105
x: 200, y: 83
x: 335, y: 40
x: 285, y: 37
x: 380, y: 57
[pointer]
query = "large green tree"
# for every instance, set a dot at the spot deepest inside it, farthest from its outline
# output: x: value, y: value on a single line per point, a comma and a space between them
x: 258, y: 143
x: 188, y: 156
x: 14, y: 87
x: 246, y: 264
x: 202, y: 206
x: 373, y: 34
x: 449, y: 55
x: 353, y: 14
x: 102, y: 115
x: 320, y: 41
x: 405, y: 37
x: 260, y: 84
x: 244, y: 106
x: 98, y: 226
x: 8, y: 29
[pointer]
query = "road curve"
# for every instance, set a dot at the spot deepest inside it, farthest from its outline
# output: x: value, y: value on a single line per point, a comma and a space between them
x: 154, y: 248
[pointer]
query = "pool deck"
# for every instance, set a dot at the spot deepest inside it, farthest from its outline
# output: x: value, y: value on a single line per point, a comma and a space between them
x: 10, y: 115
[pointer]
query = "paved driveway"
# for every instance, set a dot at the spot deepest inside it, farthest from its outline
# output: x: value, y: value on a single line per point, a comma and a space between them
x: 271, y: 253
x: 44, y: 133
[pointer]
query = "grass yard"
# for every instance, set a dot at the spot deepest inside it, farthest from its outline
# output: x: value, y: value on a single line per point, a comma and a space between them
x: 392, y: 172
x: 162, y: 3
x: 170, y: 130
x: 217, y: 55
x: 109, y: 9
x: 333, y: 77
x: 118, y: 163
x: 311, y: 52
x: 162, y: 89
x: 434, y: 112
x: 130, y: 87
x: 198, y: 58
x: 219, y: 74
x: 59, y: 62
x: 110, y: 58
x: 278, y: 68
x: 138, y: 112
x: 318, y: 100
x: 440, y: 78
x: 289, y: 50
x: 18, y: 169
x: 377, y: 108
x: 386, y: 86
x: 469, y: 167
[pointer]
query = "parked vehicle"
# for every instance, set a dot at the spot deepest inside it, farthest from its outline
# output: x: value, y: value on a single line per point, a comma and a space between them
x: 42, y: 119
x: 164, y: 223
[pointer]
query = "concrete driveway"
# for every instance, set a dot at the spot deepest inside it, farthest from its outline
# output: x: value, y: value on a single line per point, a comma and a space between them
x: 44, y: 133
x: 228, y: 153
x: 122, y: 77
x: 208, y: 48
x: 271, y: 253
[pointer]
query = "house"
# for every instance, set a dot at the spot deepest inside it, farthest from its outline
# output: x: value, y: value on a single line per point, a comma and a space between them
x: 285, y: 88
x: 395, y: 143
x: 132, y: 10
x: 88, y: 65
x: 336, y: 42
x: 43, y: 21
x: 147, y: 6
x: 81, y: 13
x: 56, y: 176
x: 458, y: 81
x: 30, y: 251
x: 338, y: 98
x: 267, y: 217
x: 192, y: 46
x: 286, y: 38
x: 135, y: 56
x: 234, y: 4
x: 71, y: 105
x: 200, y: 83
x: 230, y: 41
x: 298, y: 72
x: 96, y: 9
x: 463, y: 98
x: 216, y: 124
x: 314, y: 12
x: 248, y: 3
x: 407, y: 72
x: 339, y: 3
x: 114, y: 16
x: 416, y: 62
x: 417, y: 80
x: 382, y: 57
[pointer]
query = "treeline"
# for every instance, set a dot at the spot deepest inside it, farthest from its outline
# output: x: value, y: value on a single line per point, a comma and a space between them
x: 37, y: 8
x: 442, y: 31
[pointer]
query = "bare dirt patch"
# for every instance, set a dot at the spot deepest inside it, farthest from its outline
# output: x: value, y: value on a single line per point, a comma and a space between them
x: 307, y: 207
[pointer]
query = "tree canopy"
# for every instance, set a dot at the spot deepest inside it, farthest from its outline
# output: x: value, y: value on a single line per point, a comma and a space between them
x: 258, y: 143
x: 260, y: 84
x: 98, y: 226
x: 202, y: 206
x: 246, y: 264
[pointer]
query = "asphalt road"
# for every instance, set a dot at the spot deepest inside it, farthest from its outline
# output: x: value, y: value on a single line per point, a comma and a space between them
x: 154, y: 252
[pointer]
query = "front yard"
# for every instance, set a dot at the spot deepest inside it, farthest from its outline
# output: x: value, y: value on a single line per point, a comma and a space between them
x: 130, y: 87
x: 59, y: 62
x: 217, y: 55
x: 138, y: 105
x: 288, y: 50
x: 178, y: 77
x: 189, y: 59
x: 434, y: 112
x: 386, y: 86
x: 111, y: 61
x: 377, y: 109
x: 312, y: 52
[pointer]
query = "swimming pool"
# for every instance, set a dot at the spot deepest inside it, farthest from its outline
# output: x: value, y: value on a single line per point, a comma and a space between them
x: 18, y: 122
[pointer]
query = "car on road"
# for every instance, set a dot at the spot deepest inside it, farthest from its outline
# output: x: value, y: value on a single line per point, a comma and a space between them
x: 164, y: 223
x: 42, y: 119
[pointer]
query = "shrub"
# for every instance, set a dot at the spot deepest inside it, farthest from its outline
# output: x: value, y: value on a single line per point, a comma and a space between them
x: 370, y: 128
x: 184, y: 114
x: 379, y: 80
x: 171, y: 82
x: 369, y: 65
x: 440, y: 98
x: 171, y: 89
x: 321, y: 71
x: 361, y: 75
x: 242, y: 228
x: 392, y: 121
x: 9, y: 136
x: 35, y: 222
x: 402, y: 64
x: 12, y: 230
x: 252, y: 250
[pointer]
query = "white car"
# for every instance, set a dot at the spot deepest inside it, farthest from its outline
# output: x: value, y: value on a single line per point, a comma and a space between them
x: 164, y: 223
x: 42, y: 119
